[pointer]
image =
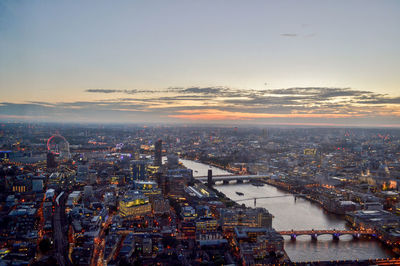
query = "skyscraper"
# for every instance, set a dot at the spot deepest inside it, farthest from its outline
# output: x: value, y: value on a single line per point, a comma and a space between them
x: 139, y: 170
x: 158, y: 153
x: 209, y: 178
x: 51, y: 161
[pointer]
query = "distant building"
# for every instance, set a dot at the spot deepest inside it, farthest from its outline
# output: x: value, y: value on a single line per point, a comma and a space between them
x: 160, y: 205
x: 173, y: 161
x: 74, y: 198
x: 177, y: 185
x: 88, y: 192
x: 51, y: 161
x: 139, y: 170
x: 188, y: 213
x: 82, y: 173
x: 177, y: 180
x: 206, y: 225
x: 231, y: 218
x: 147, y: 245
x: 158, y: 153
x: 37, y: 184
x: 163, y: 182
x: 209, y: 178
x: 147, y: 187
x: 255, y: 244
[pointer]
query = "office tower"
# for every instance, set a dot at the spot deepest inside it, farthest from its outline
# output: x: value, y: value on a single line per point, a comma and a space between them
x: 51, y: 160
x: 163, y: 183
x: 209, y: 178
x: 158, y: 153
x: 139, y: 170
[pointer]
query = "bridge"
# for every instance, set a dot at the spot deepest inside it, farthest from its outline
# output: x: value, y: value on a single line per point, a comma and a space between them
x: 335, y: 233
x: 270, y: 197
x: 226, y: 178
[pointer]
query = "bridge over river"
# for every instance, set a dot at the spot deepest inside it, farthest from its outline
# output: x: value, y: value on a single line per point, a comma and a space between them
x: 226, y: 178
x: 335, y: 233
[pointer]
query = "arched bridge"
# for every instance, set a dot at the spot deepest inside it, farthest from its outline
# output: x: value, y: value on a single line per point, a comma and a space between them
x: 335, y: 233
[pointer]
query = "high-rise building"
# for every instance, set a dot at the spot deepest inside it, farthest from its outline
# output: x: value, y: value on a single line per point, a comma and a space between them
x: 209, y: 178
x: 88, y: 192
x: 139, y: 170
x: 173, y: 161
x: 163, y: 183
x: 51, y: 160
x: 82, y: 173
x: 158, y: 153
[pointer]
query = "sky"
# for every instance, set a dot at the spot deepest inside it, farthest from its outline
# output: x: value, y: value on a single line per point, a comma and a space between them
x: 318, y: 63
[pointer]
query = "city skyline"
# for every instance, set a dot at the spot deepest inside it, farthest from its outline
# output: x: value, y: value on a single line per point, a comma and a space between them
x: 265, y: 63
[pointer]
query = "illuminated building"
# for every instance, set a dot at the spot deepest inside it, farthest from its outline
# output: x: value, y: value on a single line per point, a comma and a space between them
x: 158, y: 153
x: 50, y: 194
x: 147, y: 187
x: 147, y: 245
x: 189, y: 229
x: 256, y: 243
x: 259, y: 217
x: 134, y: 204
x: 188, y: 213
x: 206, y: 225
x: 200, y: 191
x: 139, y: 170
x: 160, y: 205
x: 20, y: 187
x: 152, y: 170
x: 177, y: 184
x: 74, y: 198
x: 177, y: 179
x: 310, y: 151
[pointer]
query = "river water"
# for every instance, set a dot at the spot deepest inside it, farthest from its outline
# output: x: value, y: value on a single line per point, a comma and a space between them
x: 299, y: 214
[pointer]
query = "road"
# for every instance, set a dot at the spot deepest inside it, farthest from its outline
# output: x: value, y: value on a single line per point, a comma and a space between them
x: 99, y: 243
x: 60, y: 240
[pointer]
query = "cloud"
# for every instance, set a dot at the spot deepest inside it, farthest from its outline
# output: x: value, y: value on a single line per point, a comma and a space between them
x: 131, y: 91
x: 291, y: 35
x: 380, y: 100
x: 218, y: 103
x: 102, y: 91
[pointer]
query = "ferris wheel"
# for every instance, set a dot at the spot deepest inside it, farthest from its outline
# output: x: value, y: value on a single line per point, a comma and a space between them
x: 58, y: 145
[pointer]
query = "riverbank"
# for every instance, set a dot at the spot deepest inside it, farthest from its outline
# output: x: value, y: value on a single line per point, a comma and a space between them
x: 198, y: 160
x: 230, y: 203
x: 300, y: 214
x: 377, y: 236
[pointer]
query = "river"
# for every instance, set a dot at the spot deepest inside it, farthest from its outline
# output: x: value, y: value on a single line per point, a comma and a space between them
x: 299, y: 214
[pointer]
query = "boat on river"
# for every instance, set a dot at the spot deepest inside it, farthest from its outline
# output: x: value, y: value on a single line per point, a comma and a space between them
x: 257, y: 184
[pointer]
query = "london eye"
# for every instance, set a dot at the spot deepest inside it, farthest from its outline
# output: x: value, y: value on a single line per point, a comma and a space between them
x: 58, y: 145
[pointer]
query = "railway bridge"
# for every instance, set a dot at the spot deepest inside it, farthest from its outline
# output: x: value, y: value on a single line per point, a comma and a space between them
x: 227, y: 178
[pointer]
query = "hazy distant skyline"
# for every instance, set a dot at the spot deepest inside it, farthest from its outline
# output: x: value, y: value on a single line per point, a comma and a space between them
x: 231, y: 62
